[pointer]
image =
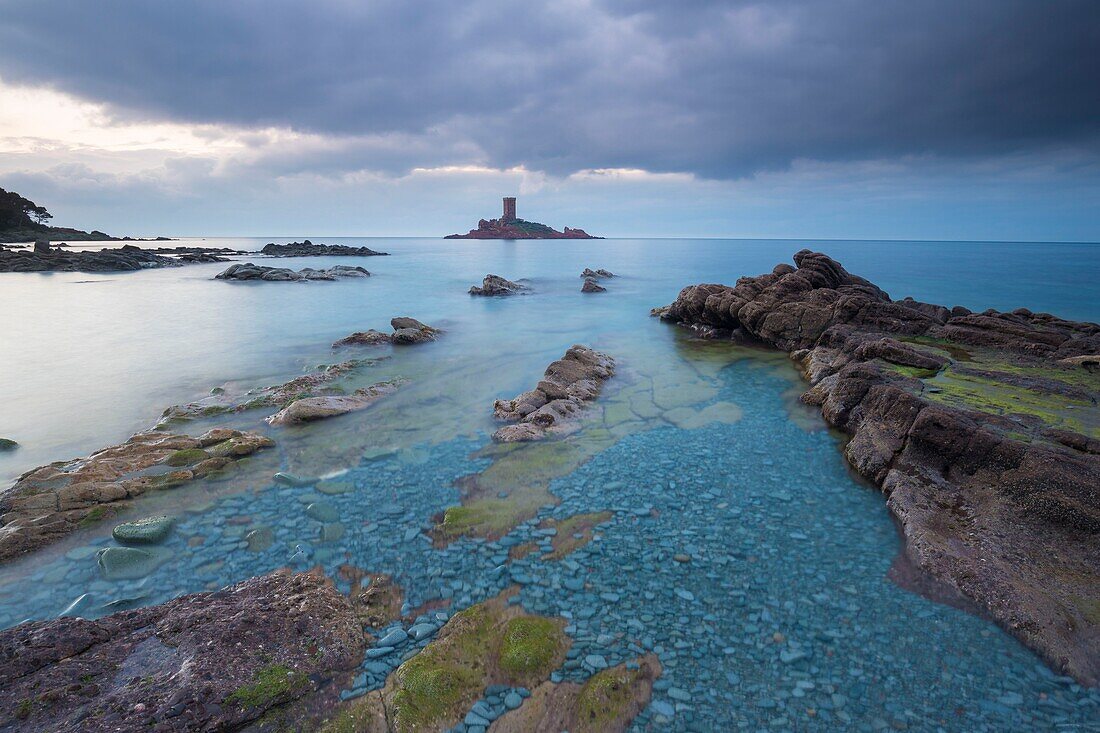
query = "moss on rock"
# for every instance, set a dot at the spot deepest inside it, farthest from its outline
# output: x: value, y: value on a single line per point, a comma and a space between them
x: 270, y: 684
x: 186, y: 457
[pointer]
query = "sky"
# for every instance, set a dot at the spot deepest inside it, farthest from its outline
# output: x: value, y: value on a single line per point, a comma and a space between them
x: 868, y: 119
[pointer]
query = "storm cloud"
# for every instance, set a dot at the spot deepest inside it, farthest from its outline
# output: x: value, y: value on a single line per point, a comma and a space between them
x: 721, y: 90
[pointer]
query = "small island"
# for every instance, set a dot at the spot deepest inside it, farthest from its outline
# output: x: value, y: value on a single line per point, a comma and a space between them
x: 508, y: 226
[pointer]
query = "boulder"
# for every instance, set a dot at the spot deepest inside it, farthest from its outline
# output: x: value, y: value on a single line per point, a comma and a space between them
x: 309, y: 409
x: 495, y: 285
x: 148, y: 531
x: 249, y: 272
x: 598, y: 274
x: 591, y: 286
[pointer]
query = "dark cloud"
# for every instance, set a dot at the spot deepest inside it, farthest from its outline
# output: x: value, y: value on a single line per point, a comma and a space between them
x: 720, y: 89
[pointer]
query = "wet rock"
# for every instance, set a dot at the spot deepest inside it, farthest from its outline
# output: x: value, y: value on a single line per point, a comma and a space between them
x: 591, y: 286
x: 497, y: 285
x: 598, y: 274
x: 52, y: 501
x: 309, y: 409
x: 148, y: 531
x: 936, y: 401
x: 127, y: 258
x: 309, y: 249
x: 209, y: 661
x: 554, y: 406
x: 249, y: 272
x: 7, y: 444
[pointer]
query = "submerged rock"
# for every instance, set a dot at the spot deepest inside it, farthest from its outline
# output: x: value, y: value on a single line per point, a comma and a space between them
x: 129, y: 563
x: 497, y: 285
x: 150, y: 530
x: 319, y: 382
x: 976, y: 426
x: 208, y: 661
x: 309, y: 409
x: 7, y: 444
x: 405, y: 331
x: 553, y: 407
x: 249, y: 271
x: 309, y: 249
x: 52, y: 501
x: 607, y: 702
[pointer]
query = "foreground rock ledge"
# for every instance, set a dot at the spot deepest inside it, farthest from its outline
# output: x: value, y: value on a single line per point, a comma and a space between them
x: 52, y: 501
x: 208, y: 661
x: 975, y: 426
x: 553, y: 406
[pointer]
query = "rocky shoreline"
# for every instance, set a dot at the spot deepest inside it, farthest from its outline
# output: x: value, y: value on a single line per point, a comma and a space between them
x: 981, y: 429
x: 128, y: 258
x: 51, y: 502
x: 247, y: 271
x: 208, y: 661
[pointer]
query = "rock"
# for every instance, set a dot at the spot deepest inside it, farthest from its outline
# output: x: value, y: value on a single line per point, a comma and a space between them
x: 249, y: 271
x: 52, y: 501
x: 322, y: 512
x: 121, y: 563
x: 599, y: 274
x: 405, y: 331
x: 7, y: 445
x: 1004, y: 524
x: 148, y: 531
x: 309, y: 409
x: 260, y: 539
x: 497, y: 285
x: 553, y: 407
x: 309, y: 249
x: 591, y: 286
x: 208, y: 661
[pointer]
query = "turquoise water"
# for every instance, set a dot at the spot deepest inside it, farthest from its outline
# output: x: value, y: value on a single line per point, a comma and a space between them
x: 782, y: 617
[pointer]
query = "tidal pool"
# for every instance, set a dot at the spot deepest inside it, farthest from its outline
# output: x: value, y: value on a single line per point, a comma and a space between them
x: 731, y: 540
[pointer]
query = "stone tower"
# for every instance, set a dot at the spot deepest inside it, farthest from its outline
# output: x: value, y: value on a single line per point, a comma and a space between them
x: 509, y: 209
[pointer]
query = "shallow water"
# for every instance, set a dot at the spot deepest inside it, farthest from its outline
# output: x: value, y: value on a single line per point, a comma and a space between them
x: 782, y: 616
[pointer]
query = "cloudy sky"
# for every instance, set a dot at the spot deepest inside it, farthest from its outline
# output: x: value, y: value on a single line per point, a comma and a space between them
x: 969, y: 119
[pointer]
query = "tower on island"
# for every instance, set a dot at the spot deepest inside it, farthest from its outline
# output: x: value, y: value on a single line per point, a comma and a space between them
x: 509, y: 209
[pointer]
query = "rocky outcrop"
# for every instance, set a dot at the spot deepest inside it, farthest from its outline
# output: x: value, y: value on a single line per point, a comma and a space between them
x: 7, y: 444
x: 497, y: 285
x: 208, y: 661
x: 591, y: 286
x: 972, y: 424
x: 309, y: 249
x: 125, y: 258
x: 50, y: 502
x: 310, y: 409
x: 555, y: 405
x: 599, y: 274
x: 249, y: 271
x: 405, y: 331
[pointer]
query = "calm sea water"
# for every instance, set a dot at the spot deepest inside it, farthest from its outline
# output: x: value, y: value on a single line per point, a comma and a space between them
x: 783, y: 617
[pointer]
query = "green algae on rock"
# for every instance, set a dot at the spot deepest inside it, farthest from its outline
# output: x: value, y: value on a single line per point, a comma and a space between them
x: 607, y: 702
x: 490, y: 643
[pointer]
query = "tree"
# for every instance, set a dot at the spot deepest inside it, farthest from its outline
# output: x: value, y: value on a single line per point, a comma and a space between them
x: 16, y: 211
